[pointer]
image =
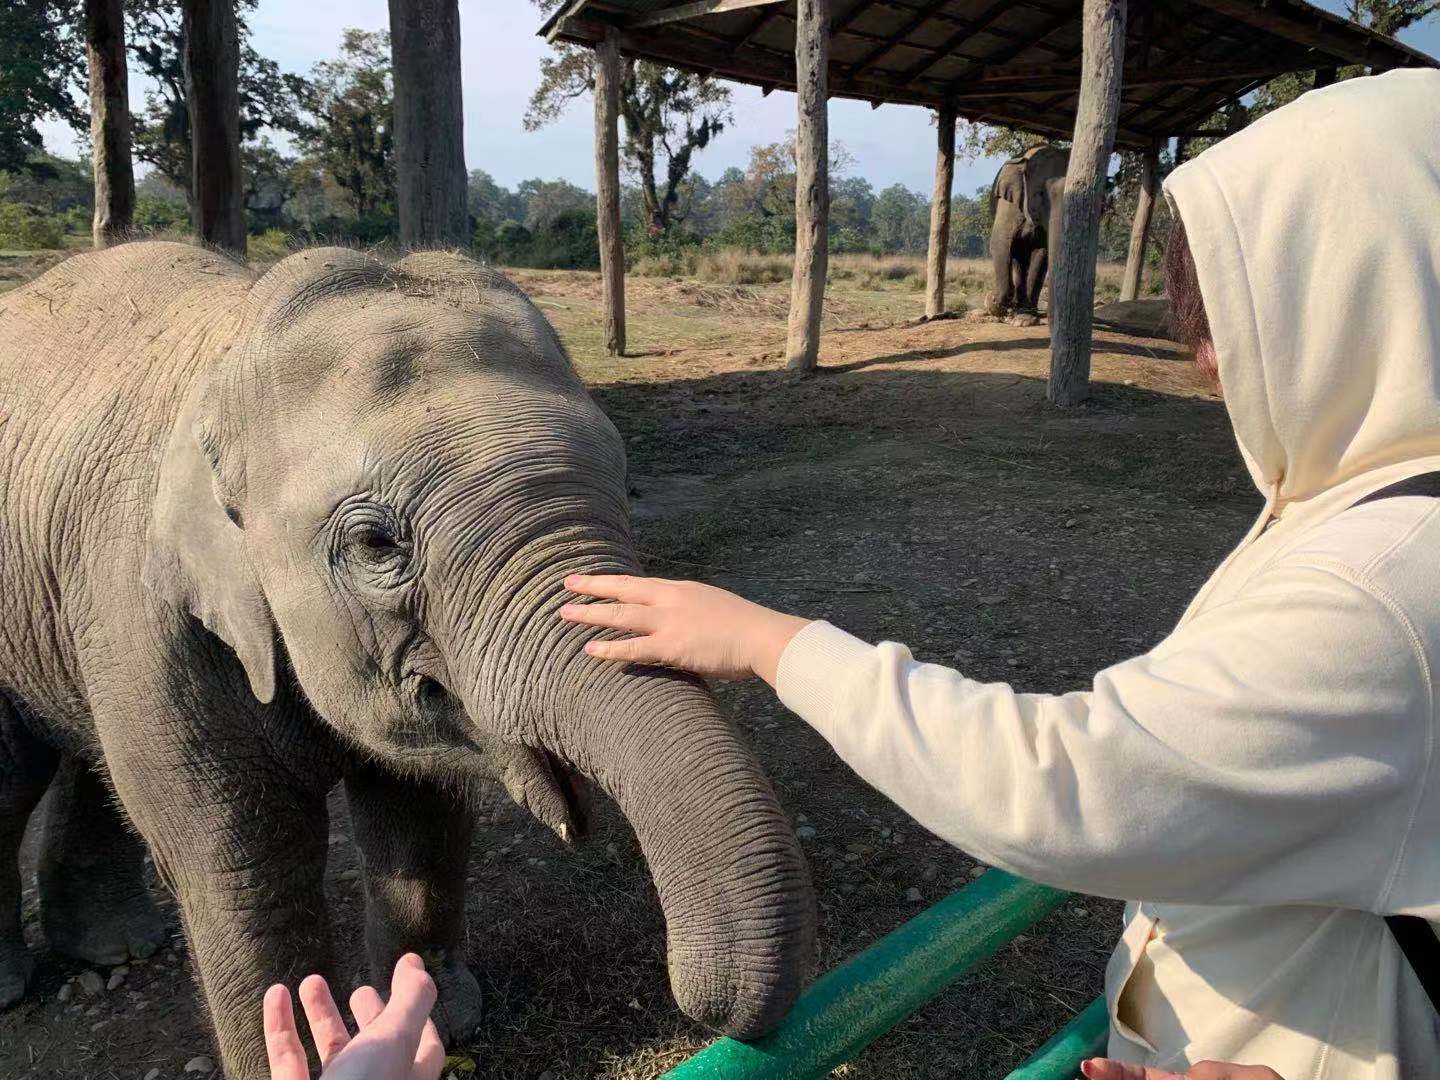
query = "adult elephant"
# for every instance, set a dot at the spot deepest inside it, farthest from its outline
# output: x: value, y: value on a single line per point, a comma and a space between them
x: 260, y: 535
x: 1025, y: 205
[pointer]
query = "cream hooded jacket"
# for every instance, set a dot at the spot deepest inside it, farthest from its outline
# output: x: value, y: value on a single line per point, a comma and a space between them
x: 1262, y: 785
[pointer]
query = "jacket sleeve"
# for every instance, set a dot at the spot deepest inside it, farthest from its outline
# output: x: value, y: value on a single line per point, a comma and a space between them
x: 1272, y: 750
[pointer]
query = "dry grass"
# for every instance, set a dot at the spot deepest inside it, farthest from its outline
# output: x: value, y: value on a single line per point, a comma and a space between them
x: 732, y: 266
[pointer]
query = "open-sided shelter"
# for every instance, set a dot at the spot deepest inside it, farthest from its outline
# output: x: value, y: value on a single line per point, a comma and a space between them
x: 1100, y: 73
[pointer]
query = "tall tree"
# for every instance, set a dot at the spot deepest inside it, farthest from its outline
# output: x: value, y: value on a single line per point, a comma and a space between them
x: 109, y: 121
x: 429, y: 123
x: 269, y: 98
x: 40, y: 63
x: 212, y: 94
x: 669, y: 115
x: 352, y: 100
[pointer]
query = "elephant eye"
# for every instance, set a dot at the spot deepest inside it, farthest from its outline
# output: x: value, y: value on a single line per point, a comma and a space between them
x: 376, y: 539
x: 375, y: 543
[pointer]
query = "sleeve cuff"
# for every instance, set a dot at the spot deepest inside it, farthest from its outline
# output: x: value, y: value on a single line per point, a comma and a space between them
x: 814, y: 669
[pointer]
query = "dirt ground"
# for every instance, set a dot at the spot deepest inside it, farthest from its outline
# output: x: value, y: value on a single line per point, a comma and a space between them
x: 917, y: 489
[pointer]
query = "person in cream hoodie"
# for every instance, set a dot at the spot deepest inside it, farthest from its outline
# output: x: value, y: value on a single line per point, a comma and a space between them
x: 1262, y: 785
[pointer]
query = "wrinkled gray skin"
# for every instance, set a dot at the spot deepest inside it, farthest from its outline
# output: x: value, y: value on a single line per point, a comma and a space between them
x: 1025, y: 203
x: 367, y: 482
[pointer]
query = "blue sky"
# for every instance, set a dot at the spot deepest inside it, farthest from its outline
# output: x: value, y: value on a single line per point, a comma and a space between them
x: 892, y: 144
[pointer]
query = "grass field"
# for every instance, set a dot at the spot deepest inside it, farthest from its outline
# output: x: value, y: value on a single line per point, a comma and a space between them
x: 917, y: 489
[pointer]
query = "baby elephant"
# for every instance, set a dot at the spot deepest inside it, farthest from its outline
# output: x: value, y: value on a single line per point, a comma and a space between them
x: 260, y: 535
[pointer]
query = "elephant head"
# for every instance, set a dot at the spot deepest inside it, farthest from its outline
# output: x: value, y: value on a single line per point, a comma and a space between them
x: 385, y: 479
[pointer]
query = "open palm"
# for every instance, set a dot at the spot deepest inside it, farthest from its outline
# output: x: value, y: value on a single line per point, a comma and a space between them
x: 397, y: 1041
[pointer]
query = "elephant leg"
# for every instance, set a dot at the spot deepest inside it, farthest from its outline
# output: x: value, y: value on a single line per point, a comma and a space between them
x: 414, y: 840
x: 1002, y: 262
x: 94, y: 901
x: 240, y: 838
x: 26, y: 766
x: 1035, y: 275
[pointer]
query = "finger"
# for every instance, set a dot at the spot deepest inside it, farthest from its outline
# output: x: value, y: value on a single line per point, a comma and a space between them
x: 1109, y: 1069
x: 366, y: 1005
x: 636, y: 650
x: 632, y: 617
x: 412, y: 996
x: 327, y: 1027
x: 624, y: 587
x: 282, y: 1040
x: 1225, y: 1070
x: 430, y: 1054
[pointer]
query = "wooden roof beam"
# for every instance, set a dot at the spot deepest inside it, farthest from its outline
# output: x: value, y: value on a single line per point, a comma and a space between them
x: 691, y: 11
x: 1188, y: 75
x: 1320, y: 34
x: 1048, y: 27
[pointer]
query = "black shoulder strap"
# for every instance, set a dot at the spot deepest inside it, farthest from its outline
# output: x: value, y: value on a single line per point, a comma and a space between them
x: 1415, y: 936
x: 1426, y: 484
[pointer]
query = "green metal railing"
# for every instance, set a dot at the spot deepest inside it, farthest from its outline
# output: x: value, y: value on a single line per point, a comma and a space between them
x: 849, y: 1008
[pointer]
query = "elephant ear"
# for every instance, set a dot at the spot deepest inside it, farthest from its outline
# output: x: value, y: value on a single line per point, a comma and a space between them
x: 196, y: 552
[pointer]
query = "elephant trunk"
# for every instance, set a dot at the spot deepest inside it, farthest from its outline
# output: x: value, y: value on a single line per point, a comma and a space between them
x: 734, y: 886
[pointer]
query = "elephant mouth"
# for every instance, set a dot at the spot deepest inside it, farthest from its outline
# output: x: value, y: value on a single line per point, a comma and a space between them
x: 558, y: 796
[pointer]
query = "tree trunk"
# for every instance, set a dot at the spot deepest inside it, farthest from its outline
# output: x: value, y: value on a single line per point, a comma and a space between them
x: 812, y: 183
x: 109, y: 121
x: 940, y: 214
x: 1072, y: 284
x: 429, y: 124
x: 609, y: 73
x: 212, y: 75
x: 1140, y: 226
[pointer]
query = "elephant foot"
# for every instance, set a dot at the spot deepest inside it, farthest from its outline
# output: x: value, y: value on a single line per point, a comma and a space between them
x: 104, y: 931
x: 16, y: 966
x: 458, y: 1003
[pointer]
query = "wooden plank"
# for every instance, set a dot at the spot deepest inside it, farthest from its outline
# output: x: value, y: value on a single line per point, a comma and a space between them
x: 1197, y: 75
x: 609, y: 74
x: 692, y: 11
x: 988, y: 16
x: 812, y: 183
x: 939, y: 250
x: 1072, y: 286
x: 918, y: 19
x: 1048, y: 27
x: 1329, y: 34
x: 1140, y: 224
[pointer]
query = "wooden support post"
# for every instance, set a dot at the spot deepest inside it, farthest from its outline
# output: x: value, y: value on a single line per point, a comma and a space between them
x: 940, y: 214
x: 430, y: 180
x: 1324, y: 77
x: 109, y: 121
x: 609, y: 73
x: 1072, y: 287
x: 812, y: 183
x: 1140, y: 226
x: 212, y: 95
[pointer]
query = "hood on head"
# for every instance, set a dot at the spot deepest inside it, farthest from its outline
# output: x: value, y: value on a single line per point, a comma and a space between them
x: 1316, y: 239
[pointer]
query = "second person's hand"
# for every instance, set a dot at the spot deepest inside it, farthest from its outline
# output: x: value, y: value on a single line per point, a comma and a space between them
x: 682, y: 624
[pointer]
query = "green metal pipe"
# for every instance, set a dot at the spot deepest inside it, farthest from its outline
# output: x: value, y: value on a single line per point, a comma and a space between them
x: 1060, y: 1058
x: 849, y: 1008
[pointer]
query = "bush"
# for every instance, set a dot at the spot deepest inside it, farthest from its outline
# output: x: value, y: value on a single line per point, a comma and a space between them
x: 270, y: 246
x: 158, y: 216
x: 25, y: 227
x: 567, y: 242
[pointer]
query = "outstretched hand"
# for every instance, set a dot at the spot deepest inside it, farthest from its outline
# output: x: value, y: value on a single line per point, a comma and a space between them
x: 397, y: 1041
x: 682, y: 624
x: 1106, y: 1069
